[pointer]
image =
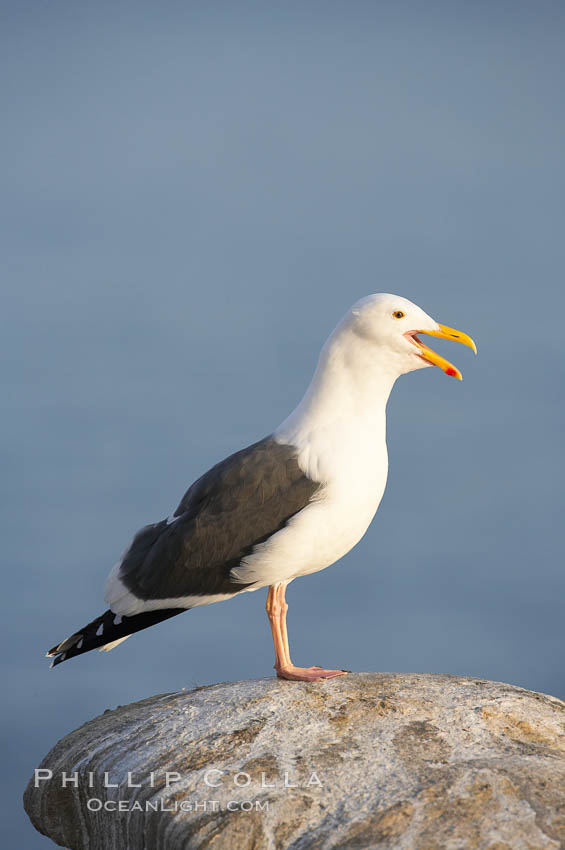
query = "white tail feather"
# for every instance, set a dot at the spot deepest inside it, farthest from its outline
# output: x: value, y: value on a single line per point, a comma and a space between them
x: 108, y: 646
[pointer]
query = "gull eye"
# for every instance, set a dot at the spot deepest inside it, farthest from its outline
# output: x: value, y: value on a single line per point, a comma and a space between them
x: 398, y: 314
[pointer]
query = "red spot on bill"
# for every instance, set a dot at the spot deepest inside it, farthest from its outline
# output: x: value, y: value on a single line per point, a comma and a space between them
x: 451, y: 372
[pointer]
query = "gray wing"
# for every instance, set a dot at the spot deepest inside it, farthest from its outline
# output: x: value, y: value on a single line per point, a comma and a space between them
x: 236, y: 505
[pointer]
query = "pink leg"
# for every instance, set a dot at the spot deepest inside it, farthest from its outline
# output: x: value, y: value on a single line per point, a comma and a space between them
x: 276, y: 611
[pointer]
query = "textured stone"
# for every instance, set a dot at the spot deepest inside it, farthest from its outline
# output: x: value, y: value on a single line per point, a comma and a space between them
x: 411, y: 762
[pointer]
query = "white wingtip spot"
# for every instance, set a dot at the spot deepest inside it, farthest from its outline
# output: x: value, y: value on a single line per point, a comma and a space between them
x: 80, y: 643
x: 117, y: 619
x: 100, y: 629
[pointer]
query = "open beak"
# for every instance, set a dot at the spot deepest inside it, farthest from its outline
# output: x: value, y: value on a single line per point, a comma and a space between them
x: 436, y: 359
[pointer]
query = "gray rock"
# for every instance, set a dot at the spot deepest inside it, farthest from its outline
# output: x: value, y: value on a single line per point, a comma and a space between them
x: 415, y: 762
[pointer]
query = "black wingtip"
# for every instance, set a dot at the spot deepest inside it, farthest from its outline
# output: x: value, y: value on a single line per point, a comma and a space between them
x: 58, y: 659
x: 105, y: 630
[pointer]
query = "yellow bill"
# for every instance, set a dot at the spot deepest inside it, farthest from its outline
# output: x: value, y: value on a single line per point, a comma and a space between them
x: 443, y: 333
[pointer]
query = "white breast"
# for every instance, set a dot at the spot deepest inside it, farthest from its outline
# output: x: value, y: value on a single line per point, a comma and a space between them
x: 353, y: 472
x: 339, y: 432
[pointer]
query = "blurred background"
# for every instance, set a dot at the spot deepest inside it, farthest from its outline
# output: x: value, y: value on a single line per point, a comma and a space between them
x: 193, y: 194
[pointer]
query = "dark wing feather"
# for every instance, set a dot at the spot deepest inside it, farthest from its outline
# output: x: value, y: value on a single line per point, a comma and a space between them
x: 233, y: 507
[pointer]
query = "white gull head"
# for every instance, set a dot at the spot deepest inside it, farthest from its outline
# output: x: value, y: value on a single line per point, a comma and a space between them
x: 375, y: 333
x: 374, y: 343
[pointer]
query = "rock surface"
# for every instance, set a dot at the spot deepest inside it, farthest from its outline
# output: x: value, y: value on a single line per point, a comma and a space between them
x: 415, y: 762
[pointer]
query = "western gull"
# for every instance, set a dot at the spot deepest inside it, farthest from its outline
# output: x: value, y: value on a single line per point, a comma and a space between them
x: 289, y: 505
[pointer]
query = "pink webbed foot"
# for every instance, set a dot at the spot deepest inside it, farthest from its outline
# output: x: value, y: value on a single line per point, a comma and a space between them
x: 307, y: 674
